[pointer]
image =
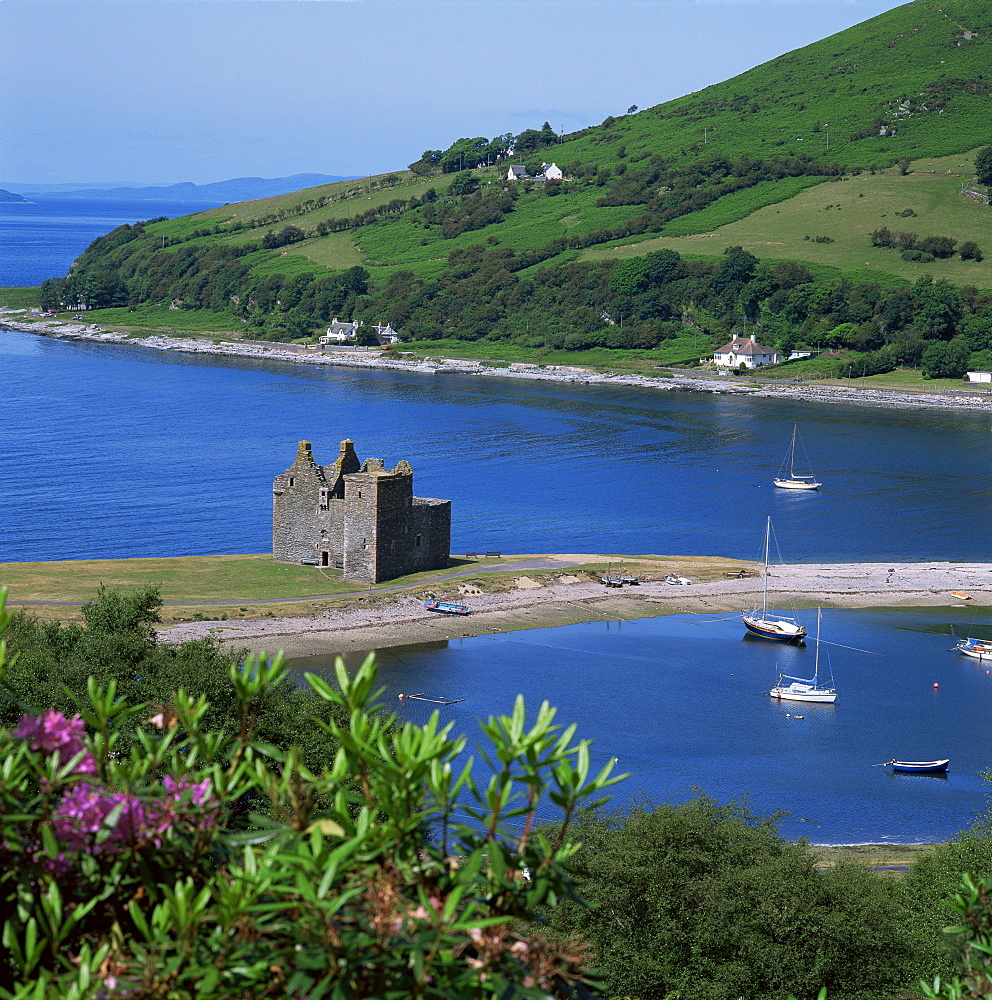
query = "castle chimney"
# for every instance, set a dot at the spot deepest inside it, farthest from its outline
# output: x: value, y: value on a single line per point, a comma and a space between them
x: 754, y: 339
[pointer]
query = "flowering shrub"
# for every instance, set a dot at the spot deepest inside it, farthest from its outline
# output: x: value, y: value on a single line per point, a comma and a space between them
x: 154, y: 859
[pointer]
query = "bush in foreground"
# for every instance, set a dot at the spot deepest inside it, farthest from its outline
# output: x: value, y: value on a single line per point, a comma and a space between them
x: 156, y: 858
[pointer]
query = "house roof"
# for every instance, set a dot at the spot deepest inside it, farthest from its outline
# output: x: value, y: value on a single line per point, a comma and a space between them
x: 518, y: 171
x: 744, y: 345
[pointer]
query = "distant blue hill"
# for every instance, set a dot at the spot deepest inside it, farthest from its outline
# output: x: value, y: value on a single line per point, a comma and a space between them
x: 237, y: 189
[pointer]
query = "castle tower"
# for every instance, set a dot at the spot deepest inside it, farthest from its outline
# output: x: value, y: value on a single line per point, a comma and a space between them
x: 363, y: 518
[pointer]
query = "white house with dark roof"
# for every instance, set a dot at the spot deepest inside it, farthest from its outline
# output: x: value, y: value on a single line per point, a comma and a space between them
x: 551, y: 172
x: 339, y: 333
x: 386, y: 334
x: 517, y: 172
x: 745, y: 351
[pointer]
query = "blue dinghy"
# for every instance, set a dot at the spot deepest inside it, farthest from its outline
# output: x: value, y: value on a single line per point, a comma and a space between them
x: 446, y: 608
x: 919, y: 766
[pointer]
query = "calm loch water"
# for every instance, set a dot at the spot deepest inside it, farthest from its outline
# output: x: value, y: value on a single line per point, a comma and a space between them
x: 126, y: 451
x: 112, y: 451
x: 682, y: 702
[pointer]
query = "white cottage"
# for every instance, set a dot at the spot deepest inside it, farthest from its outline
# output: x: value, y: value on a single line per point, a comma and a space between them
x: 386, y: 334
x: 745, y: 351
x: 340, y: 333
x: 517, y: 172
x: 551, y: 172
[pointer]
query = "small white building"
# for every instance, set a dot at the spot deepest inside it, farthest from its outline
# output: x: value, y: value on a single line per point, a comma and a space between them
x: 551, y: 172
x: 978, y: 376
x: 340, y: 333
x: 517, y: 172
x: 745, y: 351
x: 386, y: 334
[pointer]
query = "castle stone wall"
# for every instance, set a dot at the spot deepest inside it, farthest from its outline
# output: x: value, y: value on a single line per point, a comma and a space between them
x: 364, y: 518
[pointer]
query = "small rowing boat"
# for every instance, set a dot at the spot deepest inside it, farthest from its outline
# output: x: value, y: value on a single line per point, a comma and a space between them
x: 919, y: 766
x: 446, y: 607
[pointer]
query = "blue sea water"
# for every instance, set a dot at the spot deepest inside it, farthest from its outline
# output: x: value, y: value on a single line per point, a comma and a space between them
x: 119, y: 451
x: 115, y: 451
x: 682, y: 702
x: 42, y: 239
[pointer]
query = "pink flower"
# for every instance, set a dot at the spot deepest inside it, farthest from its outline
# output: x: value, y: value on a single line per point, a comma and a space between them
x: 84, y: 809
x: 54, y: 733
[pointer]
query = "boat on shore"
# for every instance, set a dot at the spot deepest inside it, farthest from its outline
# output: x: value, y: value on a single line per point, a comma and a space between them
x: 919, y: 766
x: 980, y: 649
x: 446, y: 607
x: 795, y: 480
x: 803, y: 689
x: 777, y: 629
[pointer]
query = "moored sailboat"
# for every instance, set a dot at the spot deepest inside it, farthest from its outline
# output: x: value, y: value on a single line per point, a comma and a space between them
x: 776, y: 628
x: 803, y: 689
x: 980, y: 649
x: 795, y: 481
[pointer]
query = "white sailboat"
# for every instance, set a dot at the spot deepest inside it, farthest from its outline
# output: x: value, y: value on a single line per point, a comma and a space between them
x: 795, y: 481
x: 778, y: 629
x: 980, y: 649
x: 801, y: 689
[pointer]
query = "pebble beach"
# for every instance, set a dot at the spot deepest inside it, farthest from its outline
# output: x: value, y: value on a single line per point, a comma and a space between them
x: 401, y: 619
x: 968, y: 399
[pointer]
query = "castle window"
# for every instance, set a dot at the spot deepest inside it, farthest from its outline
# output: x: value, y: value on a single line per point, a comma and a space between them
x: 323, y: 499
x: 359, y: 494
x: 291, y: 480
x: 416, y: 540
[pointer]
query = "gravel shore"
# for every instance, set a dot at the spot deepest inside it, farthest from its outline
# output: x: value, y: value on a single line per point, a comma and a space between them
x: 402, y: 620
x: 813, y: 392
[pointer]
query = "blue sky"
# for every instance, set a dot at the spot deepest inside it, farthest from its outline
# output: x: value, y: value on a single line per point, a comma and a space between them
x: 163, y: 91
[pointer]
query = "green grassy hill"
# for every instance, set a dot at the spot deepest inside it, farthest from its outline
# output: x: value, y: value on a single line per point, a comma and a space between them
x: 920, y: 73
x: 799, y: 159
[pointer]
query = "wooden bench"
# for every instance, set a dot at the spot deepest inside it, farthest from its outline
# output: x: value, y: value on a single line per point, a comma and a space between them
x: 741, y: 574
x: 471, y: 555
x: 494, y: 555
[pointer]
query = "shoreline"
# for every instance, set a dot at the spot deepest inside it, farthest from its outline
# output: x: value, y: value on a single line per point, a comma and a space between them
x: 805, y: 392
x: 400, y: 619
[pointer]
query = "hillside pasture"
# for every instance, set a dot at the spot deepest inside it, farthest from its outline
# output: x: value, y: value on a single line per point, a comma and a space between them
x: 846, y: 212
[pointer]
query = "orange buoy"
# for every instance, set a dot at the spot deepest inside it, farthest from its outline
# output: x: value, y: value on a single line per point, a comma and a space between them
x: 400, y: 697
x: 935, y: 684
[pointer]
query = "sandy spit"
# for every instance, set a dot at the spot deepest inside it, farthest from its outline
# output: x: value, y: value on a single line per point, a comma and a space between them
x: 402, y: 620
x: 354, y: 359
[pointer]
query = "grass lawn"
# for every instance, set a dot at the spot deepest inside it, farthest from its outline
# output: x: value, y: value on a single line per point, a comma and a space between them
x: 19, y: 298
x: 670, y: 352
x: 251, y: 586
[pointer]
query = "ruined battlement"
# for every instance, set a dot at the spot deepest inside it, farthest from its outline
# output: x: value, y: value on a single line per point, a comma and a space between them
x: 359, y: 516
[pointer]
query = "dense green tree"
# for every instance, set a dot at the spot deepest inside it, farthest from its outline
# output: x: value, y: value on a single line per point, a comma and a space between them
x: 970, y: 250
x: 118, y: 643
x: 983, y: 165
x: 702, y: 900
x: 938, y: 307
x: 464, y: 183
x: 946, y: 359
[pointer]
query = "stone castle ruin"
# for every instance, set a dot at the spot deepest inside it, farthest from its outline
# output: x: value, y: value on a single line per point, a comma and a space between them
x: 359, y: 517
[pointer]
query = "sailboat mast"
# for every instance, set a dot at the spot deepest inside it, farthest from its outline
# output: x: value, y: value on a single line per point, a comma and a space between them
x: 792, y: 453
x: 768, y: 534
x: 816, y: 661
